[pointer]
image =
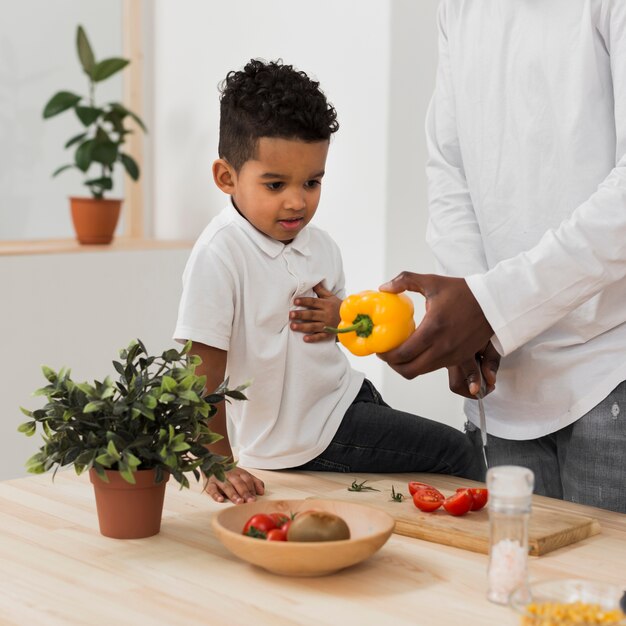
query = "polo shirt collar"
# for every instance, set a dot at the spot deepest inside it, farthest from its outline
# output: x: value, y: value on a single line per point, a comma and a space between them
x: 270, y: 246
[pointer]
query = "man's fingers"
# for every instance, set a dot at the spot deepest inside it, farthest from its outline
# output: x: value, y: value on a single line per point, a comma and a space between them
x: 490, y: 364
x: 464, y: 379
x: 406, y: 281
x: 402, y: 361
x: 417, y: 344
x: 471, y: 373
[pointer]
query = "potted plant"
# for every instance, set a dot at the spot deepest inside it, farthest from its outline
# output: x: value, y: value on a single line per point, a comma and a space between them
x: 131, y: 434
x: 98, y: 146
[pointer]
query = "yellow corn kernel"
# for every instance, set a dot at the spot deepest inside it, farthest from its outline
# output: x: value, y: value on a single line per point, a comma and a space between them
x: 570, y: 614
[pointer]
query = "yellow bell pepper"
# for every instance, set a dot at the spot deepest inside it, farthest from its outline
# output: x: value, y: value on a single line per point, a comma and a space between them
x: 374, y: 322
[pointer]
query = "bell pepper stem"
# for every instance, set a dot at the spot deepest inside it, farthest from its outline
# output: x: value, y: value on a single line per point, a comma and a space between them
x: 362, y: 325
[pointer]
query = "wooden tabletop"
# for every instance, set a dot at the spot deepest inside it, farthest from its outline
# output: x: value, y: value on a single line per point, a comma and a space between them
x: 56, y: 568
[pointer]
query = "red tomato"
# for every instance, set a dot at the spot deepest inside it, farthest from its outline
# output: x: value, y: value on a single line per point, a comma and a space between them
x: 428, y: 499
x: 259, y: 523
x: 414, y: 486
x: 479, y: 497
x: 277, y: 534
x: 280, y: 519
x: 458, y: 504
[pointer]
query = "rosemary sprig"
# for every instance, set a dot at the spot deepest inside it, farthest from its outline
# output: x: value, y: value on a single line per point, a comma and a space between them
x: 361, y: 487
x: 396, y: 496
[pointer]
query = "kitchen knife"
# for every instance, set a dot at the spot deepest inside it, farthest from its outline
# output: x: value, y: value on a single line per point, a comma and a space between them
x: 481, y: 413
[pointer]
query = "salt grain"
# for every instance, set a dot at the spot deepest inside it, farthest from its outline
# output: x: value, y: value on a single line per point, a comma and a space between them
x: 507, y: 569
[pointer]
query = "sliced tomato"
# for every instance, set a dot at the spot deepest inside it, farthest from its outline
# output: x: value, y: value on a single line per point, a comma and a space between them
x: 459, y: 503
x: 428, y: 499
x: 414, y: 486
x: 479, y: 497
x: 277, y: 534
x: 259, y: 525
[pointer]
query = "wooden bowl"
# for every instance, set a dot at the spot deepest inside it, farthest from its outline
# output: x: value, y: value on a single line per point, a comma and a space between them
x: 369, y: 530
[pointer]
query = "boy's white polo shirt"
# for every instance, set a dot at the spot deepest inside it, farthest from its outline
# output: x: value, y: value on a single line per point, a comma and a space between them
x: 238, y: 288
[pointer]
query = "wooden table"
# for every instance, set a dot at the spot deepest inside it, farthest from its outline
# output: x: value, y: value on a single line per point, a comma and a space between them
x: 56, y: 569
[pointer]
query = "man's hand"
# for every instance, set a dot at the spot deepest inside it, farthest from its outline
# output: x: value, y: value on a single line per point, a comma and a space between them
x: 240, y: 486
x: 464, y: 379
x: 453, y: 331
x: 318, y: 312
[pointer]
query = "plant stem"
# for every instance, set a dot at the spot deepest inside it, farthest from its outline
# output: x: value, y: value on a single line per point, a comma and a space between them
x: 362, y: 325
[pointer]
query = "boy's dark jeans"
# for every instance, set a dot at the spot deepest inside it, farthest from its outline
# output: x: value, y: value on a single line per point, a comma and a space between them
x: 375, y: 438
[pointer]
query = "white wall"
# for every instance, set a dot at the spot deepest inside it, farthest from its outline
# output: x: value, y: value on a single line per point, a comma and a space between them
x: 413, y: 62
x: 76, y: 310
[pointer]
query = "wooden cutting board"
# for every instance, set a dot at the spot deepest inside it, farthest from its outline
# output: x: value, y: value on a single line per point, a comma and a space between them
x: 548, y: 529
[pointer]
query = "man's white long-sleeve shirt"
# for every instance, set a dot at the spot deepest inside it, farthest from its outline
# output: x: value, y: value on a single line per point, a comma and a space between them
x: 527, y: 188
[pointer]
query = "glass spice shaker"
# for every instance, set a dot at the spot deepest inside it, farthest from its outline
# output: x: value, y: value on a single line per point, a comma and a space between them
x: 510, y: 493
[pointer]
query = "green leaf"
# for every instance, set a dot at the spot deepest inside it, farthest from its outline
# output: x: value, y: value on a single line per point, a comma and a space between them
x: 75, y: 139
x: 49, y: 373
x: 107, y: 68
x: 92, y: 407
x: 104, y: 182
x: 62, y: 169
x: 150, y: 402
x: 127, y: 474
x: 85, y: 52
x: 88, y: 115
x: 168, y: 383
x: 61, y: 101
x: 189, y: 395
x: 180, y: 447
x: 35, y: 466
x: 130, y: 165
x: 116, y: 106
x: 236, y: 395
x: 105, y: 152
x: 112, y: 450
x: 83, y: 154
x: 132, y: 460
x: 28, y: 428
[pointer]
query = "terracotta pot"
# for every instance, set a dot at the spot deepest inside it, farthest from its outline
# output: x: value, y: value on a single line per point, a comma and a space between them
x: 128, y: 511
x: 95, y: 220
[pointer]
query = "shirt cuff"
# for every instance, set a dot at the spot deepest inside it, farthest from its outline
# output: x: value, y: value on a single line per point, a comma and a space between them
x: 503, y: 340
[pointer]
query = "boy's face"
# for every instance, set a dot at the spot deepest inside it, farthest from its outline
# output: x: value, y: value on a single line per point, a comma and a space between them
x: 277, y: 191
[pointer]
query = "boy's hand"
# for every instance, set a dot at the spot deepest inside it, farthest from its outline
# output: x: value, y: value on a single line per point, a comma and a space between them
x: 240, y: 486
x: 318, y: 312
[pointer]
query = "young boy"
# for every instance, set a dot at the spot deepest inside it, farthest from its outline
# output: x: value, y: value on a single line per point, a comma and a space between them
x: 258, y: 289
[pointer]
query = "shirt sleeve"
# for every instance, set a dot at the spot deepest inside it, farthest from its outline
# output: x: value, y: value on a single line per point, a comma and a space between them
x: 526, y: 294
x: 452, y: 233
x: 206, y: 309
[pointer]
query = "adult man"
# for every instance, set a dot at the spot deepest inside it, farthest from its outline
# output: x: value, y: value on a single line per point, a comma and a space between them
x: 527, y: 184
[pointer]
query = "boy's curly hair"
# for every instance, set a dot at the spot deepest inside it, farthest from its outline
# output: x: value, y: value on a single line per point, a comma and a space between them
x: 270, y: 100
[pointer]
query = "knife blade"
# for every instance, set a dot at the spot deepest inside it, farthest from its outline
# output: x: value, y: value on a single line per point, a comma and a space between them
x: 481, y: 414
